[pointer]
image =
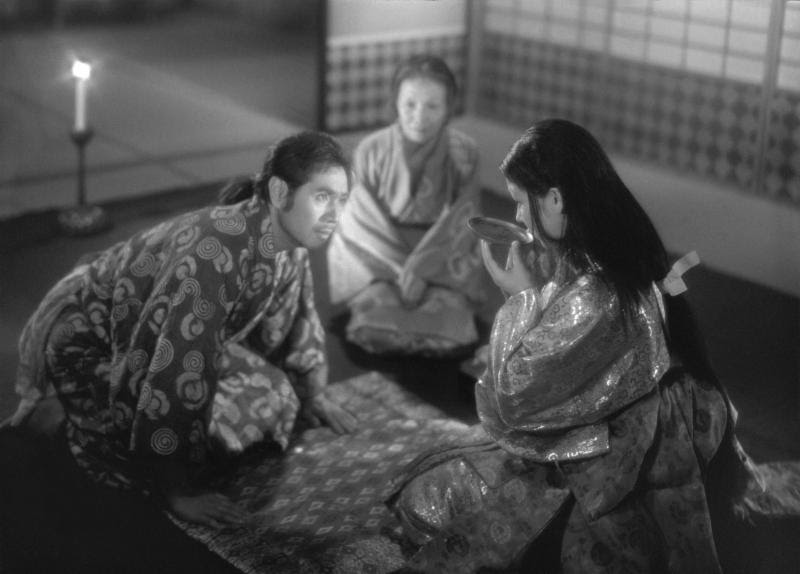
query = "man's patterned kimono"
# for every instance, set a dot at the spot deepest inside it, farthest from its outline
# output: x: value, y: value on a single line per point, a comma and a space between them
x: 135, y: 339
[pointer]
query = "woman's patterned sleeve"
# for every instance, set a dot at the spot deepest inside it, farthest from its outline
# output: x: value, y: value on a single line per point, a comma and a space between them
x: 570, y: 367
x: 183, y: 323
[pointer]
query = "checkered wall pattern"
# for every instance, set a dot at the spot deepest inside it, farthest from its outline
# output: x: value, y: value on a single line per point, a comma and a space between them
x: 706, y: 125
x: 358, y: 77
x: 782, y: 157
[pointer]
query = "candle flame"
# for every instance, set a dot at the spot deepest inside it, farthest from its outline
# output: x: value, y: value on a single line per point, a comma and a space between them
x: 81, y: 70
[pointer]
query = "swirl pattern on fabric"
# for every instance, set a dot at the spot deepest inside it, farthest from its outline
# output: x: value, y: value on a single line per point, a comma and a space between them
x: 132, y: 339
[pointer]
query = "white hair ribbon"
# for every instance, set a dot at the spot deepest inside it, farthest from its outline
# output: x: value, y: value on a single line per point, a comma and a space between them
x: 673, y: 283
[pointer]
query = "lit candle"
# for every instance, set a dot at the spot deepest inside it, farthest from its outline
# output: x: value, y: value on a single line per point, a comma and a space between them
x: 81, y: 72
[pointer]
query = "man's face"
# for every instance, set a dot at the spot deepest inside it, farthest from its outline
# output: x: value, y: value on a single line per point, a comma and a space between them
x: 313, y: 210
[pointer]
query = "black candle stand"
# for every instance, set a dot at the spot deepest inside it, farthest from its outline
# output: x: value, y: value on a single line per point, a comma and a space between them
x: 83, y: 219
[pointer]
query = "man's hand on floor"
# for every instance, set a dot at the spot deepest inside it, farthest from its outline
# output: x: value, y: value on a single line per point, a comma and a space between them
x: 322, y: 410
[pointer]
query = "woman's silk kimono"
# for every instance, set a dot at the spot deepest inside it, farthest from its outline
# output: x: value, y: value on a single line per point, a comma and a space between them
x: 583, y: 416
x: 408, y: 212
x: 135, y: 339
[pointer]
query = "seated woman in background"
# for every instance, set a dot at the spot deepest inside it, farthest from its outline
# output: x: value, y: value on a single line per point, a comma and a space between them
x: 602, y: 423
x: 403, y: 259
x: 199, y: 332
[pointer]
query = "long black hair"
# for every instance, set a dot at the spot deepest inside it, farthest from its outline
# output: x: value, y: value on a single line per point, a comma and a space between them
x: 294, y: 159
x: 605, y: 226
x: 605, y: 223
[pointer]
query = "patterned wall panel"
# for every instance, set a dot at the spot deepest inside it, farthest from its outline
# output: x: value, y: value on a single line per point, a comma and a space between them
x: 710, y: 88
x: 702, y: 124
x: 358, y: 75
x: 695, y: 123
x: 782, y: 157
x: 524, y: 79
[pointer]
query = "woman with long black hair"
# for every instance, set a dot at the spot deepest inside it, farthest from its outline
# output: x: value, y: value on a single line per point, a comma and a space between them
x: 601, y: 419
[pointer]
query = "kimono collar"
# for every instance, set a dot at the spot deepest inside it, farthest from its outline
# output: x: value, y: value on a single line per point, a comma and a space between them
x: 258, y: 214
x: 422, y: 157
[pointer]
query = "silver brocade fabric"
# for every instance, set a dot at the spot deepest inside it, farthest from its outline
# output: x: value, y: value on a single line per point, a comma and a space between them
x: 561, y: 362
x: 433, y: 499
